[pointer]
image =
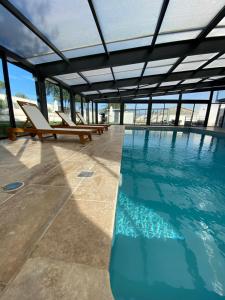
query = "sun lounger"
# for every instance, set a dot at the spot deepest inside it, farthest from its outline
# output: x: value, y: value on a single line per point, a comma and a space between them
x: 41, y: 127
x: 69, y: 123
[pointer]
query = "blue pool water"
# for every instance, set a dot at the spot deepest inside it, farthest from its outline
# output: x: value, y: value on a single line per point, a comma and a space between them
x: 169, y: 236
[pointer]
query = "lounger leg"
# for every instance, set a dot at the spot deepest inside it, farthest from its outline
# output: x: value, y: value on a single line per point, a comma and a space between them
x: 40, y: 137
x: 32, y: 135
x: 82, y: 139
x: 89, y: 136
x: 12, y: 134
x: 55, y: 136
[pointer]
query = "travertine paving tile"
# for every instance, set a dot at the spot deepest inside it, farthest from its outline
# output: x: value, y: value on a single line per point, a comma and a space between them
x: 81, y: 233
x: 44, y: 279
x: 4, y: 197
x: 23, y: 218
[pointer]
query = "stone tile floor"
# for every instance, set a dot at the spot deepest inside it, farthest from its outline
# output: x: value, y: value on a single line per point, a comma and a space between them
x: 56, y: 231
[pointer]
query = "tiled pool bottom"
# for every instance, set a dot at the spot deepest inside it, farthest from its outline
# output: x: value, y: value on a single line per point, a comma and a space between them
x: 169, y: 236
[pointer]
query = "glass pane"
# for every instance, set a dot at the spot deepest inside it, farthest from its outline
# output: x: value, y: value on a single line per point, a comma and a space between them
x: 187, y: 81
x: 219, y: 30
x: 169, y: 115
x: 188, y: 66
x: 134, y: 43
x: 166, y: 97
x: 157, y: 70
x: 53, y: 102
x: 157, y: 114
x: 66, y: 102
x: 161, y: 62
x: 141, y: 114
x: 218, y: 63
x: 214, y: 110
x: 196, y: 96
x: 71, y: 79
x: 85, y: 109
x: 16, y: 37
x: 220, y: 119
x: 68, y: 25
x: 199, y: 57
x: 129, y: 114
x: 23, y: 89
x: 186, y: 114
x: 113, y: 113
x: 168, y: 83
x: 128, y: 74
x: 178, y: 36
x: 183, y: 16
x: 98, y: 75
x: 4, y: 111
x: 102, y: 113
x: 198, y: 117
x: 77, y: 107
x: 121, y: 21
x: 90, y: 93
x: 90, y: 113
x: 219, y: 96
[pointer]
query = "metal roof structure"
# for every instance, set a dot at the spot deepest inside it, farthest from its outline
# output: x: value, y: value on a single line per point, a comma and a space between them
x: 130, y: 49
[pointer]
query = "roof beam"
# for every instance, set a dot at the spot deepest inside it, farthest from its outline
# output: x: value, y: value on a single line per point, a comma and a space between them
x: 147, y: 92
x: 131, y: 56
x: 16, y: 13
x: 147, y: 80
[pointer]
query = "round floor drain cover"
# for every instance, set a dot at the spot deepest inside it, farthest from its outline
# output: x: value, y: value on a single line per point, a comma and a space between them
x: 13, y: 186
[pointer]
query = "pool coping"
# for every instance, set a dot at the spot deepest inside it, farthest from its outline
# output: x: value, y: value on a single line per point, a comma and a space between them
x: 201, y: 130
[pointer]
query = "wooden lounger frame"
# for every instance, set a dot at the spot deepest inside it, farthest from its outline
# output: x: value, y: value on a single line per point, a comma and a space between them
x: 97, y: 129
x: 106, y: 126
x: 33, y: 131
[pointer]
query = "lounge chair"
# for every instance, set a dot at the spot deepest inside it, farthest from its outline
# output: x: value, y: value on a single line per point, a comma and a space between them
x: 69, y: 123
x: 82, y: 121
x: 40, y: 126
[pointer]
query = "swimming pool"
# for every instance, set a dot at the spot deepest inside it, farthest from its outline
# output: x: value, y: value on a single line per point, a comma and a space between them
x: 169, y: 235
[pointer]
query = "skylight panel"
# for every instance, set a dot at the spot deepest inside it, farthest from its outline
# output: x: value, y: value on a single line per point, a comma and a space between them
x: 168, y: 83
x: 189, y: 66
x: 187, y: 17
x: 218, y: 63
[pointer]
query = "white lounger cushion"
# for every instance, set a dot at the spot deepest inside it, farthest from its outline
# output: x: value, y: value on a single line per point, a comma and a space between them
x: 81, y: 118
x: 66, y: 118
x: 72, y: 129
x: 40, y: 122
x: 36, y: 117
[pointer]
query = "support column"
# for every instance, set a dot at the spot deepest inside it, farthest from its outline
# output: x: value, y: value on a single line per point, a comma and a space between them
x: 148, y: 121
x: 96, y: 112
x: 176, y: 123
x: 72, y: 107
x: 208, y: 109
x: 87, y: 112
x: 82, y: 106
x: 121, y: 112
x: 41, y: 95
x: 92, y: 106
x: 8, y: 92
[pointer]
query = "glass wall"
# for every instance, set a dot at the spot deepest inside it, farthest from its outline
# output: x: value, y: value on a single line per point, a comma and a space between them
x: 129, y: 114
x: 199, y: 112
x: 77, y: 106
x: 53, y: 102
x: 102, y: 113
x: 213, y: 115
x: 23, y: 88
x: 186, y: 114
x: 85, y: 110
x: 196, y: 96
x: 113, y: 113
x: 220, y: 119
x: 4, y: 111
x: 157, y: 114
x: 66, y: 102
x: 218, y: 96
x: 141, y: 111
